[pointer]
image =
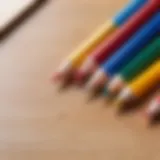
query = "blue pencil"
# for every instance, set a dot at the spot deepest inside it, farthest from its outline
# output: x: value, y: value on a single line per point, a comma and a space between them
x: 125, y: 54
x: 120, y: 18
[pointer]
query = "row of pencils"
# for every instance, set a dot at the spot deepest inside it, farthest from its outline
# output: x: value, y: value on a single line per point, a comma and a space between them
x: 121, y: 59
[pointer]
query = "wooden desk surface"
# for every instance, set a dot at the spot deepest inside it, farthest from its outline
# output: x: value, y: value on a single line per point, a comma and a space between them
x: 39, y: 123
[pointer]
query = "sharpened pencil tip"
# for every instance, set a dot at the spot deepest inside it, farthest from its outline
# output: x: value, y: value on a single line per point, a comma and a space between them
x: 57, y: 76
x: 79, y: 77
x: 94, y: 95
x: 108, y: 97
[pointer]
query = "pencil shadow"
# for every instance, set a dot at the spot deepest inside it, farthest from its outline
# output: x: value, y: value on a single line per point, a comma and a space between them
x: 155, y: 121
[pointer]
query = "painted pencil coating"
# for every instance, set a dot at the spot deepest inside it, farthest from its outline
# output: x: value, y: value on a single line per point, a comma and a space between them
x: 143, y: 83
x: 142, y: 37
x: 120, y: 36
x: 142, y: 61
x: 83, y: 51
x: 125, y: 54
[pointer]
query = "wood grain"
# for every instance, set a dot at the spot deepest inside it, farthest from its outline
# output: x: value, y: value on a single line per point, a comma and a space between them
x: 37, y: 121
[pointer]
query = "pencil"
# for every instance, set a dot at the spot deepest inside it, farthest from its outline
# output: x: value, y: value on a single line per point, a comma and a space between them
x: 125, y: 54
x: 116, y: 40
x: 141, y: 85
x: 142, y: 61
x: 153, y: 108
x: 76, y: 58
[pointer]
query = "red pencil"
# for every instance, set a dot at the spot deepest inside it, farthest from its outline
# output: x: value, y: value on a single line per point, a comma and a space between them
x: 116, y: 40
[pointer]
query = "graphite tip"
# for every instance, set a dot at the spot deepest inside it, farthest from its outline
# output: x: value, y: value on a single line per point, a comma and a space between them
x: 57, y: 76
x: 79, y: 77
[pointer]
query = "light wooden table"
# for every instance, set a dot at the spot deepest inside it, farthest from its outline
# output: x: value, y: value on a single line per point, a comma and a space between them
x: 39, y: 123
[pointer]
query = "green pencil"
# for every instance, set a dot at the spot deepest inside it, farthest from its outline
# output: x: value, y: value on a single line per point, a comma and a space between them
x: 143, y: 60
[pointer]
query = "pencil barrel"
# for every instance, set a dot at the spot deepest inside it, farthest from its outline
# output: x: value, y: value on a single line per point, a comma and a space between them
x: 143, y: 60
x: 147, y: 80
x: 128, y: 11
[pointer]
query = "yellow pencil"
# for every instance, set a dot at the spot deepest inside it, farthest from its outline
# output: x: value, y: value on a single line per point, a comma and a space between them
x: 77, y: 57
x: 141, y: 85
x: 82, y: 51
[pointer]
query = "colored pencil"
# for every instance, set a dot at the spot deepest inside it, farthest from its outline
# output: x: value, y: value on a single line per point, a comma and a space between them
x: 125, y: 54
x: 142, y: 61
x: 153, y: 109
x: 76, y: 58
x: 141, y: 85
x: 116, y: 40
